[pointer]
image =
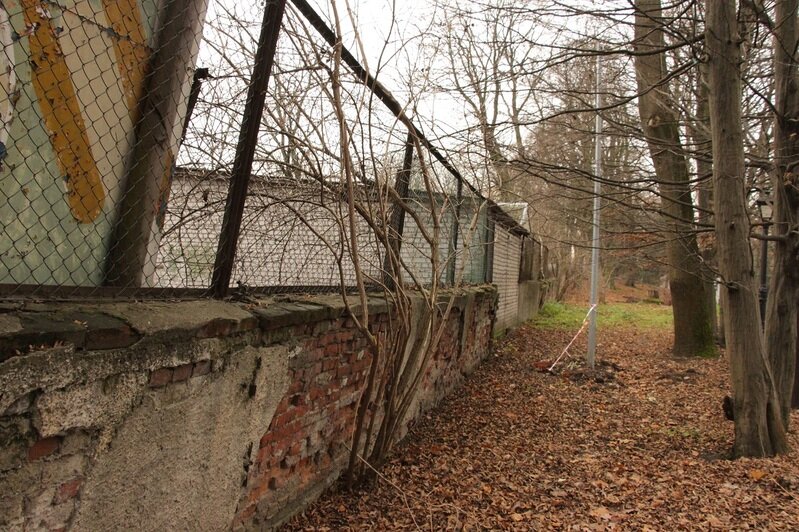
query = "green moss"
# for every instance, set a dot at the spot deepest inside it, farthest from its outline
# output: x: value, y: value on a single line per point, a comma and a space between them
x: 710, y: 351
x: 709, y: 348
x: 555, y: 315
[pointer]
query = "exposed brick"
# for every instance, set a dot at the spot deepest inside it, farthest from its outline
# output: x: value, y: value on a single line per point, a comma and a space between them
x: 289, y: 430
x: 107, y: 332
x: 315, y: 393
x: 221, y: 327
x: 282, y: 406
x: 160, y: 377
x: 296, y: 448
x: 267, y: 439
x: 333, y: 349
x: 282, y: 419
x: 67, y: 490
x: 297, y: 385
x: 182, y: 372
x: 42, y: 329
x: 297, y: 399
x: 44, y: 447
x: 203, y: 367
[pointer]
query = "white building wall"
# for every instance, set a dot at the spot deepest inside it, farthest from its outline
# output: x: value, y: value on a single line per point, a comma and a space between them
x: 507, y: 256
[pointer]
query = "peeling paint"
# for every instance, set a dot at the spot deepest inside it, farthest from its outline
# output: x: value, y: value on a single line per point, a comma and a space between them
x: 62, y: 116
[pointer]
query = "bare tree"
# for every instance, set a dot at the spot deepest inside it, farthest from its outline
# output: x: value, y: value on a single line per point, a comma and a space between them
x: 781, y: 314
x: 693, y: 330
x: 759, y: 428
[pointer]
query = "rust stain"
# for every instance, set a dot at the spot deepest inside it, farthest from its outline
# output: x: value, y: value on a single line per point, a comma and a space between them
x: 130, y: 48
x: 62, y: 114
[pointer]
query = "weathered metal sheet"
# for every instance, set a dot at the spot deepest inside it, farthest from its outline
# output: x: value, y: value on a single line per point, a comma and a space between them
x: 71, y: 77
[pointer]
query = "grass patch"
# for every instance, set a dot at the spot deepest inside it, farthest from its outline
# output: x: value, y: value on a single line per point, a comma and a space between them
x: 555, y: 315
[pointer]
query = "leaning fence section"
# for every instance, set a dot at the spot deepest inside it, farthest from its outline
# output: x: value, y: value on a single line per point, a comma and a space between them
x: 122, y: 165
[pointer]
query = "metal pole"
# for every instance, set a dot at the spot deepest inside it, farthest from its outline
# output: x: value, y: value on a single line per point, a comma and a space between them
x: 397, y: 219
x: 245, y: 149
x: 591, y: 355
x: 129, y: 261
x: 194, y: 94
x: 453, y: 255
x: 489, y: 255
x: 763, y: 275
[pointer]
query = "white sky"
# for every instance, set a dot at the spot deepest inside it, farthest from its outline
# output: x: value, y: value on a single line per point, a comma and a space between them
x: 390, y: 34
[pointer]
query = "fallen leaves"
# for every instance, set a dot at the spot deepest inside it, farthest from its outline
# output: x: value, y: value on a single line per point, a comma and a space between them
x: 601, y: 512
x: 644, y: 451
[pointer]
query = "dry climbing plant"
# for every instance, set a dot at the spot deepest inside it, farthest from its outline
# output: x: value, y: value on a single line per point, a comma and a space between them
x: 362, y: 210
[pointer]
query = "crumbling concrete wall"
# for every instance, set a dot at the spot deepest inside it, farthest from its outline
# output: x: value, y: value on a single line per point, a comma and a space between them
x: 196, y: 415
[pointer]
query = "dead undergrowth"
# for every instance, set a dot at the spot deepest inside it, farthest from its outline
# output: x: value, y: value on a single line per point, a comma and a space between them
x: 520, y: 449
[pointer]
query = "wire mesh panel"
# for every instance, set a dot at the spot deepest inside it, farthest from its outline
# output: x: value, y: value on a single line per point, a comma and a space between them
x: 118, y: 156
x: 426, y: 238
x: 299, y: 235
x: 191, y: 229
x: 474, y: 241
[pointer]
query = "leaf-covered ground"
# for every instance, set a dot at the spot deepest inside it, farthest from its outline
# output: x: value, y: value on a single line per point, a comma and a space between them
x: 518, y: 449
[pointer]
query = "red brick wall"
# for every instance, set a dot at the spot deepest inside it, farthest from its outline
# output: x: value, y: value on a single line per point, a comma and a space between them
x: 306, y: 445
x: 66, y: 402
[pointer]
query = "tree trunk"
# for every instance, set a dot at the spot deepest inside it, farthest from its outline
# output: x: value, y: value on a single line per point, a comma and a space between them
x: 781, y: 312
x: 693, y: 330
x: 704, y: 171
x: 795, y: 398
x: 759, y: 430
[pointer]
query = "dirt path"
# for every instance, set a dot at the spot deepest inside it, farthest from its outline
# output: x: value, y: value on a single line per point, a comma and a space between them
x: 519, y: 449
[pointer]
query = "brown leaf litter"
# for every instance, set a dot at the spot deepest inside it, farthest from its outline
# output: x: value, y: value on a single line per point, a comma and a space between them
x: 519, y: 449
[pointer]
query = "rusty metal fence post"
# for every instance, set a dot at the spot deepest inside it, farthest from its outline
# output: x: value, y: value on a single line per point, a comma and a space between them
x: 245, y: 149
x: 489, y: 254
x: 397, y: 221
x: 453, y: 256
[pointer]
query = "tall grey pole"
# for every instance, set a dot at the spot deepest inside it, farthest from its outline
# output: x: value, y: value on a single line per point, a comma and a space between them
x: 590, y: 357
x: 763, y: 293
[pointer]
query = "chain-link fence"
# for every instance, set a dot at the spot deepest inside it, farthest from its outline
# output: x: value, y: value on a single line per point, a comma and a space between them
x: 126, y: 170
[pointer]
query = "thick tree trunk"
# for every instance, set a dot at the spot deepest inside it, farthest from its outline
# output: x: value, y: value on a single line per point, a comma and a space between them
x: 704, y: 171
x: 759, y: 430
x: 781, y: 312
x: 693, y: 330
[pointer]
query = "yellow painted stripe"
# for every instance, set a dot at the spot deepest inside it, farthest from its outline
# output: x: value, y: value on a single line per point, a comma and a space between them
x: 130, y: 47
x: 62, y: 115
